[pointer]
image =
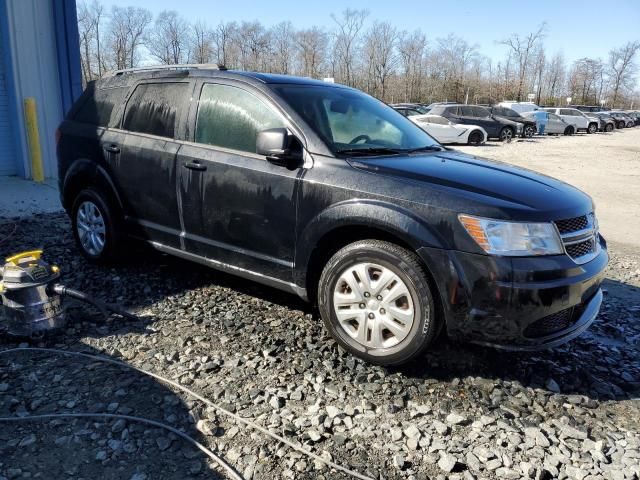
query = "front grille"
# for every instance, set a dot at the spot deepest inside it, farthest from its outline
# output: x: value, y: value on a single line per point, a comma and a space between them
x: 550, y: 324
x: 572, y: 224
x: 581, y: 249
x: 579, y: 236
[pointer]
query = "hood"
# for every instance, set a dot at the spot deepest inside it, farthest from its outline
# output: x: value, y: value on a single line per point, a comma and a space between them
x: 489, y: 183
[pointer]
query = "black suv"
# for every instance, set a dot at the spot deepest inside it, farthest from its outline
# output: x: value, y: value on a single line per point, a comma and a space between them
x: 496, y: 127
x: 326, y: 192
x: 528, y: 126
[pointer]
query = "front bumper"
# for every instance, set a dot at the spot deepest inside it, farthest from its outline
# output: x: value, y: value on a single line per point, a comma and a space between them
x: 517, y: 303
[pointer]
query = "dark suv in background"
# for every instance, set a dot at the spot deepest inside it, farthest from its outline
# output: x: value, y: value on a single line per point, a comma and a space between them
x: 321, y: 190
x: 496, y: 127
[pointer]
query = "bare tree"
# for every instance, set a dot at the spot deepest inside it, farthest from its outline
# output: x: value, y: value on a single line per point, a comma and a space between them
x: 347, y: 40
x: 127, y: 29
x: 283, y: 39
x: 381, y: 41
x: 201, y: 49
x: 224, y: 37
x: 168, y: 40
x: 522, y: 48
x: 312, y: 50
x: 411, y: 49
x: 622, y: 67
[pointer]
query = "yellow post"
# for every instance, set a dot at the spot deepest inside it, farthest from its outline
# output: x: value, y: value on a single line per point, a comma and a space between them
x: 33, y: 138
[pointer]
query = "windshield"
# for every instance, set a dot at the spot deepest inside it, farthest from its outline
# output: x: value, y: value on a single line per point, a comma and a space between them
x: 349, y: 121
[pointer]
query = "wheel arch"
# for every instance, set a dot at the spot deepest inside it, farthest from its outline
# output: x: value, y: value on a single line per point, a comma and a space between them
x: 356, y: 220
x: 83, y: 173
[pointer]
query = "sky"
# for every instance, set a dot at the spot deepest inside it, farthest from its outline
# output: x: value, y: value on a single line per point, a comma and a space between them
x: 584, y: 28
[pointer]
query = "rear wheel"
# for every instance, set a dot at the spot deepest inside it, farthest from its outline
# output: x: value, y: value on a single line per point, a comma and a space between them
x: 620, y: 124
x: 376, y: 302
x: 608, y: 127
x: 569, y: 130
x: 475, y: 138
x: 506, y: 134
x: 529, y: 131
x: 95, y: 226
x: 593, y: 128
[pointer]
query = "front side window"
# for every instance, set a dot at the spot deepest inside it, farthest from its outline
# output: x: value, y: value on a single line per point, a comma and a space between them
x: 230, y: 117
x: 566, y: 111
x: 349, y: 120
x: 156, y: 108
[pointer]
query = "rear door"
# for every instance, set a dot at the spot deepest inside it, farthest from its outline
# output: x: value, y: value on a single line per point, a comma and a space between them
x: 143, y: 163
x: 554, y: 124
x: 238, y: 208
x: 482, y: 117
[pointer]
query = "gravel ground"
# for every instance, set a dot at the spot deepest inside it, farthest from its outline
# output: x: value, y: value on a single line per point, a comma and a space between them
x: 461, y: 412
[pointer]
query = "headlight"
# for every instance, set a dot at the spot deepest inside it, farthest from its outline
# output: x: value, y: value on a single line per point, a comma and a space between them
x: 513, y: 239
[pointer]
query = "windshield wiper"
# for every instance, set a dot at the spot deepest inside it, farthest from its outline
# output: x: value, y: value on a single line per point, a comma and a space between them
x: 426, y: 148
x: 371, y: 151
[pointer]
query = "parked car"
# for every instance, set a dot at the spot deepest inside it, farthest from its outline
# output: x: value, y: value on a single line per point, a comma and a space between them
x: 410, y: 109
x: 520, y: 107
x: 576, y: 118
x: 555, y: 124
x: 605, y: 122
x: 528, y: 125
x: 619, y: 117
x: 445, y: 131
x: 321, y: 190
x: 635, y: 115
x: 626, y: 118
x: 496, y: 127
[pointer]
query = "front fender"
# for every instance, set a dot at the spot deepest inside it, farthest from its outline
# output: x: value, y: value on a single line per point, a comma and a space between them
x: 390, y: 218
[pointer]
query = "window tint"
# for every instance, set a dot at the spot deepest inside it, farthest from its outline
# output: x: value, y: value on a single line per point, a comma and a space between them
x: 99, y: 106
x: 230, y: 117
x: 156, y: 108
x: 566, y: 111
x: 466, y: 111
x: 480, y: 112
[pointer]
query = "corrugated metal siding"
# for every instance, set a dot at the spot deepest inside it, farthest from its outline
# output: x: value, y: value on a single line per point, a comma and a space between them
x: 8, y: 160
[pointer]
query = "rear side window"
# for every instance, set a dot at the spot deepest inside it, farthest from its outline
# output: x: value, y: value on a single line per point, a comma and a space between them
x: 566, y: 111
x: 156, y: 108
x: 230, y: 117
x: 100, y: 105
x: 466, y: 111
x: 480, y: 112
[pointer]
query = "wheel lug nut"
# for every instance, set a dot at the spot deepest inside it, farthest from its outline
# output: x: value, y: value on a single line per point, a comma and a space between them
x: 367, y: 294
x: 379, y: 297
x: 372, y: 316
x: 382, y: 311
x: 362, y: 305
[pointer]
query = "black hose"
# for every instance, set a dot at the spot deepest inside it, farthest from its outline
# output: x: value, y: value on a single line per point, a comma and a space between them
x: 103, y: 307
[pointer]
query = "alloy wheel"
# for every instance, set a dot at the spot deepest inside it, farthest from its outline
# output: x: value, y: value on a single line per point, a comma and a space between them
x: 373, y: 305
x: 91, y: 228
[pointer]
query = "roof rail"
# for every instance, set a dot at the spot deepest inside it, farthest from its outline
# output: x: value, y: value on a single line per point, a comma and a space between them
x: 152, y: 68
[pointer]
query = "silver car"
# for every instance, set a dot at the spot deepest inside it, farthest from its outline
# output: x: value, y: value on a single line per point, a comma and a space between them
x: 555, y: 124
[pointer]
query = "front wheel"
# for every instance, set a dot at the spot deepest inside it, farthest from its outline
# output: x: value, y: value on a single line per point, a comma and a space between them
x: 529, y: 131
x: 620, y: 124
x: 569, y: 130
x: 506, y: 134
x: 608, y: 127
x: 376, y: 302
x: 593, y: 128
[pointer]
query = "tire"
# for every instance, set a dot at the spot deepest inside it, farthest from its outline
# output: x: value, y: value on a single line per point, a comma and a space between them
x: 475, y: 138
x: 372, y: 333
x: 569, y: 130
x: 92, y: 213
x: 608, y: 127
x: 506, y: 134
x: 592, y: 128
x: 528, y: 131
x: 621, y: 124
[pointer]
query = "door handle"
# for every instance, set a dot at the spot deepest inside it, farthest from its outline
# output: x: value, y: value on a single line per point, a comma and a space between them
x: 195, y: 166
x: 112, y: 148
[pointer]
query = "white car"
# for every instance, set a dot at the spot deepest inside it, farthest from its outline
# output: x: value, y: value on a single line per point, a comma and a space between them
x: 446, y: 132
x: 520, y: 107
x: 575, y: 117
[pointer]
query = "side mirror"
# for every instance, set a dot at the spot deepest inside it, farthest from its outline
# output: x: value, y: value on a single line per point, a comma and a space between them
x: 275, y: 145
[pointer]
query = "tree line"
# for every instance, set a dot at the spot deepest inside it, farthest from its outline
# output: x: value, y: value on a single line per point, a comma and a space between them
x: 375, y: 56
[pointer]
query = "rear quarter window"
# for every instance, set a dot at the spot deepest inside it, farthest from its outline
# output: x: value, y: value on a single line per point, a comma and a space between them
x: 156, y: 108
x: 101, y: 106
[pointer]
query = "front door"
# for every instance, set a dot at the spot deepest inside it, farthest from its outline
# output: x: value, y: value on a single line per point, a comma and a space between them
x: 238, y: 208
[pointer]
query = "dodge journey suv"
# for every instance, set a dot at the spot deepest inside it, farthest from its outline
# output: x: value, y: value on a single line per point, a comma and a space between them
x: 326, y: 192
